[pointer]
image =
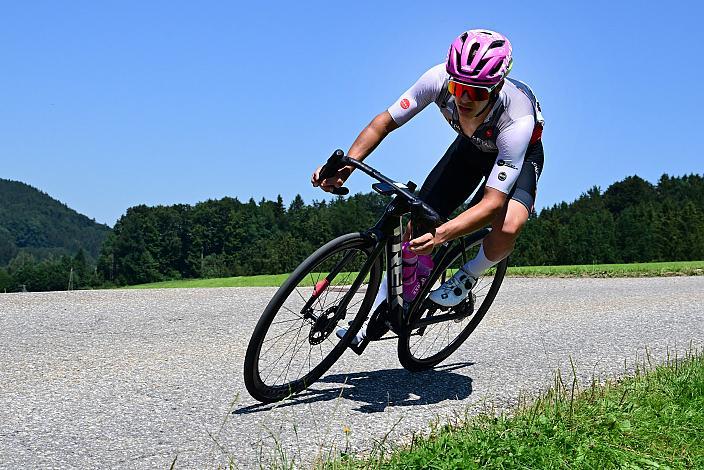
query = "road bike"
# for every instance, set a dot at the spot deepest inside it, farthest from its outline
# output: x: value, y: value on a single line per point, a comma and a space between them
x: 295, y: 342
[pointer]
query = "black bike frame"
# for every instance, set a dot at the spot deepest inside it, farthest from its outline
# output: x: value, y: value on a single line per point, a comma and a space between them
x: 387, y: 233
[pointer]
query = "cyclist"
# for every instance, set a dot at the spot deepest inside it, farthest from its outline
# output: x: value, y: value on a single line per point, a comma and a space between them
x: 499, y: 125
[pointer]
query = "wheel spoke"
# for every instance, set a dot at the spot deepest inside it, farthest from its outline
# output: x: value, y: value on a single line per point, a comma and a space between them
x: 286, y: 321
x: 282, y: 359
x: 282, y: 355
x: 295, y: 313
x: 282, y: 334
x: 296, y: 348
x: 438, y: 340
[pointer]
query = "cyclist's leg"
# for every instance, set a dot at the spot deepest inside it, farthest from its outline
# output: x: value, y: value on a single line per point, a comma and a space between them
x: 455, y: 176
x: 508, y: 224
x: 505, y: 229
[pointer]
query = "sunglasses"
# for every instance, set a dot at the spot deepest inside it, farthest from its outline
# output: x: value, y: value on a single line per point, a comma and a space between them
x: 475, y: 93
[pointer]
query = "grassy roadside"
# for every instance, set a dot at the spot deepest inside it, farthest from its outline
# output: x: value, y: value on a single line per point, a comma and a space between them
x: 652, y: 420
x: 266, y: 280
x: 671, y: 268
x: 675, y: 268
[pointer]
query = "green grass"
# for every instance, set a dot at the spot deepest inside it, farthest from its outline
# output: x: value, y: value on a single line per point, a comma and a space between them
x: 266, y: 280
x: 673, y: 268
x: 668, y: 268
x: 652, y: 420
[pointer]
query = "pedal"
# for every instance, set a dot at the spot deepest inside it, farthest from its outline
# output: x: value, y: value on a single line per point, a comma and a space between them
x: 376, y: 329
x: 359, y: 348
x: 466, y: 308
x: 429, y: 304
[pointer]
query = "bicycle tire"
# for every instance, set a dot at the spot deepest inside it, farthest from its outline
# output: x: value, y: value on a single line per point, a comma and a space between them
x: 256, y: 385
x: 409, y: 359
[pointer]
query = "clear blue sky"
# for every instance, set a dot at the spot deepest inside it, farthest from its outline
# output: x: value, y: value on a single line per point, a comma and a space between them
x: 109, y: 104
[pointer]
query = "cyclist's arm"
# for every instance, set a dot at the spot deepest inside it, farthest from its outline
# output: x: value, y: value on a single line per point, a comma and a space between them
x: 414, y: 100
x: 473, y: 218
x: 372, y: 135
x: 367, y: 140
x: 423, y: 92
x: 512, y: 143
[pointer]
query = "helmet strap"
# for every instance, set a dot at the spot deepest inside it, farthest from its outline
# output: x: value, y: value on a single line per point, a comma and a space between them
x: 492, y: 98
x: 489, y: 102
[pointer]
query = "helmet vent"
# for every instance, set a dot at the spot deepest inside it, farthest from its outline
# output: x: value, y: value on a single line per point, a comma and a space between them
x: 496, y: 68
x: 458, y: 58
x: 498, y: 43
x: 481, y: 65
x: 472, y: 52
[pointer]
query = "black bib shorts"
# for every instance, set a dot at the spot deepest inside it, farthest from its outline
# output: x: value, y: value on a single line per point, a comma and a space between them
x: 464, y: 167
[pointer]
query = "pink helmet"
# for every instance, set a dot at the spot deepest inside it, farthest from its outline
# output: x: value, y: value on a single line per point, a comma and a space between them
x: 479, y: 57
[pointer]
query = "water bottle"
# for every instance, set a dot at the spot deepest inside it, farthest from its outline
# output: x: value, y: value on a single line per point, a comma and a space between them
x: 425, y: 267
x: 411, y: 285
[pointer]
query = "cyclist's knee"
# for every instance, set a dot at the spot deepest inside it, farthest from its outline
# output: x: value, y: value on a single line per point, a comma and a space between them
x: 511, y: 228
x: 512, y: 223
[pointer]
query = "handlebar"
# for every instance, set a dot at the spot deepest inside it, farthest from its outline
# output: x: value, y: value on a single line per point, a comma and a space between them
x: 331, y: 167
x: 424, y: 219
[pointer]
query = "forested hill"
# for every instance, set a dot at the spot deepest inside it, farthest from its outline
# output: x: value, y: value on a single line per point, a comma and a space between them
x: 34, y: 222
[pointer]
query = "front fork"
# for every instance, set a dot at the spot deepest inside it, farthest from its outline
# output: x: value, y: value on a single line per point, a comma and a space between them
x: 323, y: 284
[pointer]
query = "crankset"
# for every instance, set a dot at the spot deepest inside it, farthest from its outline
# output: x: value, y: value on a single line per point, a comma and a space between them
x: 465, y: 308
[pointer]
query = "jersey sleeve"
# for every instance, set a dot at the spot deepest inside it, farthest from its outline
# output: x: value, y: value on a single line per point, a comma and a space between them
x: 512, y: 143
x: 420, y: 95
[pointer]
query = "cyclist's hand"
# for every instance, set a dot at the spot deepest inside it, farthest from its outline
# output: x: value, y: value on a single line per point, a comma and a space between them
x: 423, y: 245
x: 335, y: 181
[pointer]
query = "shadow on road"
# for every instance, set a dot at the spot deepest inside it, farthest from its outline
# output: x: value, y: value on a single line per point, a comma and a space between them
x: 376, y: 390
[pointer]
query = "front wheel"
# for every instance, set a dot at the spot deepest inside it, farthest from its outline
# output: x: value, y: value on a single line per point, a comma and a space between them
x: 294, y: 342
x: 424, y: 347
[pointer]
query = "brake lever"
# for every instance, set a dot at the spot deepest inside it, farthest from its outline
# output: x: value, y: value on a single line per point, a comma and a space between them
x: 423, y: 219
x: 341, y: 191
x: 332, y: 166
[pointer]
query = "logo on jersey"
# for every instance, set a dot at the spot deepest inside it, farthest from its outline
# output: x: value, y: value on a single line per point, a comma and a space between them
x: 489, y: 133
x: 405, y: 104
x: 502, y: 176
x: 483, y: 145
x: 537, y: 171
x: 506, y: 163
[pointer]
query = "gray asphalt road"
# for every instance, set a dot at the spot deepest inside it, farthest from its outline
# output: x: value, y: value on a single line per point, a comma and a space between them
x: 134, y: 379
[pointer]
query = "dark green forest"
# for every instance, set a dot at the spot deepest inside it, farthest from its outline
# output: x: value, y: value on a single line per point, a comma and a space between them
x: 35, y: 223
x: 631, y: 221
x: 42, y: 239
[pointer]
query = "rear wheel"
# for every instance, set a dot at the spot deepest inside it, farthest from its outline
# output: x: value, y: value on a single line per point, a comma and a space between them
x: 294, y: 342
x: 424, y: 347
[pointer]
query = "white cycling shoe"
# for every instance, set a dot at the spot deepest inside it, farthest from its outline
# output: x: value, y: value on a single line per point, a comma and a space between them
x: 454, y: 290
x: 361, y: 334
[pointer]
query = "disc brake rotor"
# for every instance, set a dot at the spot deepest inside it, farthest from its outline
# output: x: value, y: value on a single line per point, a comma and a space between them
x: 323, y: 326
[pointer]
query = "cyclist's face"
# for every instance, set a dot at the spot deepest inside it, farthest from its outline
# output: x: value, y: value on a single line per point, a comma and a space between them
x: 467, y: 107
